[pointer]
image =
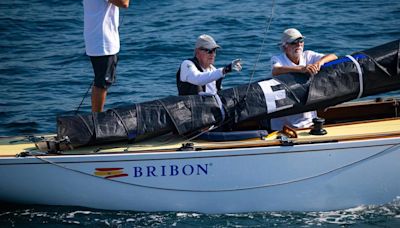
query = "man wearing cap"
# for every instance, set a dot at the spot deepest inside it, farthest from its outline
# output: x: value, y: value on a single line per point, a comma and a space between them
x: 198, y: 74
x: 295, y: 59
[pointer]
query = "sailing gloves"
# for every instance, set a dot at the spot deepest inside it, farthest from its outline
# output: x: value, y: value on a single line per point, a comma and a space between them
x: 235, y: 65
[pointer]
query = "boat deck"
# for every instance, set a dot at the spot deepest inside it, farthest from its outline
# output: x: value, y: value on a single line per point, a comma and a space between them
x: 12, y: 146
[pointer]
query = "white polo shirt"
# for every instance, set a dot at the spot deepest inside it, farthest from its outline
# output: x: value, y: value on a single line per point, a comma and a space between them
x: 300, y: 120
x: 101, y: 21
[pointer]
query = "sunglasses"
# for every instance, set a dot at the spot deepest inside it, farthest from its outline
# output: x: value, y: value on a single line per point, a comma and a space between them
x: 300, y: 40
x: 209, y: 51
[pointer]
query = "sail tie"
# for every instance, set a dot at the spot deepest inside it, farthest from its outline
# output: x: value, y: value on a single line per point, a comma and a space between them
x: 221, y: 107
x: 219, y: 103
x: 360, y: 75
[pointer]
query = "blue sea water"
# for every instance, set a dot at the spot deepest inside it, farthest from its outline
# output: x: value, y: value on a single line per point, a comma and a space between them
x: 44, y: 72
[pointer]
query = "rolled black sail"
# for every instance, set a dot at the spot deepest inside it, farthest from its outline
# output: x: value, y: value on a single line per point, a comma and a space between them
x: 180, y: 114
x: 361, y: 74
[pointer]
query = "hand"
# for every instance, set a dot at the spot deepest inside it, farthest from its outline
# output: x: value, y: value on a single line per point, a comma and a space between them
x: 235, y: 64
x: 311, y: 69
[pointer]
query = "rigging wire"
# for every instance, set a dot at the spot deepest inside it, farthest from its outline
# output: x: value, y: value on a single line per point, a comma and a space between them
x: 83, y: 98
x: 268, y: 24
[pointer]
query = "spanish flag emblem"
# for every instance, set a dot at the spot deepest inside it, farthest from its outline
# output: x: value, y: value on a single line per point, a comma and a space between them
x: 110, y: 172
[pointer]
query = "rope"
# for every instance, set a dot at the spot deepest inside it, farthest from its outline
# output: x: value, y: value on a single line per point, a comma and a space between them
x: 83, y: 98
x: 394, y: 147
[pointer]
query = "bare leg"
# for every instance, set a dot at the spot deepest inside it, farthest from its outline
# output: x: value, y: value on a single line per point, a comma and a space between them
x: 98, y: 98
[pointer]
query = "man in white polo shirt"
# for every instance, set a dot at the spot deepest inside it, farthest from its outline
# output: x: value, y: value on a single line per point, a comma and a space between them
x: 294, y: 59
x: 101, y: 22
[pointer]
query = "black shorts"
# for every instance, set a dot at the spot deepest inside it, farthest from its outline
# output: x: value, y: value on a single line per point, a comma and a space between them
x: 104, y: 68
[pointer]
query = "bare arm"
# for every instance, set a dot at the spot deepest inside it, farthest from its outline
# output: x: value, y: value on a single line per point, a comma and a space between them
x: 325, y: 59
x: 316, y: 67
x: 120, y: 3
x: 278, y: 70
x: 309, y: 68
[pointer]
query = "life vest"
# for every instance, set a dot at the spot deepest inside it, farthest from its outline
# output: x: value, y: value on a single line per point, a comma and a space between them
x: 186, y: 88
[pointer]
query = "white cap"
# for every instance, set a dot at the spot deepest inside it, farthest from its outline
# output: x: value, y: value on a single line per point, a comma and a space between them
x: 206, y: 41
x: 290, y: 35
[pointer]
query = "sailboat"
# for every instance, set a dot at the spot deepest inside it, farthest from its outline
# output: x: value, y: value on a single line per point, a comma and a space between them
x: 210, y: 154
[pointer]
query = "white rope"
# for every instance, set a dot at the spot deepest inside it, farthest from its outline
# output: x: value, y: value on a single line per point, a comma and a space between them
x: 360, y: 75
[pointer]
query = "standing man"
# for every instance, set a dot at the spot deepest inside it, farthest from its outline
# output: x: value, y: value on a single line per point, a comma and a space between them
x: 198, y: 74
x: 101, y: 22
x: 295, y: 59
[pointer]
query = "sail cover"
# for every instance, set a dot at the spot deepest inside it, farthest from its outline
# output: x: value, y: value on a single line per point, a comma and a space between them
x: 361, y: 74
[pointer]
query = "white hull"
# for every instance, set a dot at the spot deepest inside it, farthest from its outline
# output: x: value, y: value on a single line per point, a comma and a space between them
x: 310, y: 177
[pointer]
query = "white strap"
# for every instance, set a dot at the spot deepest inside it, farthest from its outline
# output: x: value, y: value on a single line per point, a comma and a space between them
x: 360, y: 75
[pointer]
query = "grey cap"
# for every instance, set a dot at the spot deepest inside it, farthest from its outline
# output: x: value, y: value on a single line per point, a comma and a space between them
x: 206, y: 41
x: 290, y: 35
